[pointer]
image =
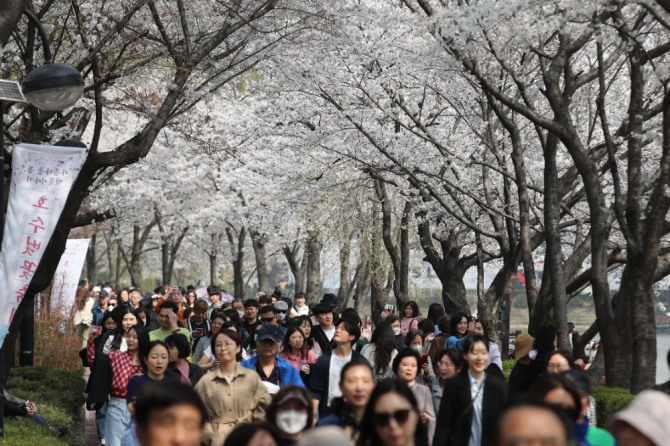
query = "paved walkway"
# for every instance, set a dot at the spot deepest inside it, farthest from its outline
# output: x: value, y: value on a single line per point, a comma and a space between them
x: 90, y: 432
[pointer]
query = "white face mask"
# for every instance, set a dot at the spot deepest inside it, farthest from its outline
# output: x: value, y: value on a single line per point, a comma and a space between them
x: 291, y: 421
x: 241, y: 313
x: 281, y: 316
x: 415, y: 347
x: 396, y: 330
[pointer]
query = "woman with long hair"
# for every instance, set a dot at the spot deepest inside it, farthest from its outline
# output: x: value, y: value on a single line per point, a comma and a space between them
x: 381, y: 351
x: 392, y: 417
x: 409, y: 321
x: 406, y: 366
x: 296, y: 352
x: 356, y: 383
x: 471, y: 402
x: 458, y: 331
x: 107, y: 323
x: 109, y: 382
x: 231, y: 393
x: 305, y: 324
x: 115, y: 339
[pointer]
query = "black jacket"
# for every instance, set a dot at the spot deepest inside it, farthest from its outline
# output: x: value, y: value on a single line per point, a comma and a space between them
x: 319, y: 381
x: 194, y: 373
x: 320, y: 338
x: 454, y: 419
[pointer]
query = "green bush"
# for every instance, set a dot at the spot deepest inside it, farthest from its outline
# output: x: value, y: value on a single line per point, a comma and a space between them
x: 58, y: 387
x: 508, y: 365
x: 610, y: 400
x: 59, y: 398
x: 24, y: 432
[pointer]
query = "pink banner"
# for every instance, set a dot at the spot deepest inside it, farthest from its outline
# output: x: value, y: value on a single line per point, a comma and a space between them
x: 68, y: 273
x: 41, y: 180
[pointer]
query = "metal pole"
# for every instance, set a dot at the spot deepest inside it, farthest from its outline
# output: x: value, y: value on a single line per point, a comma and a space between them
x: 27, y: 337
x: 2, y: 233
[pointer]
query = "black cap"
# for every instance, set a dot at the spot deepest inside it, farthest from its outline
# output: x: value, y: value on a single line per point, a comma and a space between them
x: 269, y: 331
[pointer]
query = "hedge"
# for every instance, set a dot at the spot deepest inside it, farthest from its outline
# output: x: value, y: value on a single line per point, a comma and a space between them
x: 609, y: 400
x: 59, y: 396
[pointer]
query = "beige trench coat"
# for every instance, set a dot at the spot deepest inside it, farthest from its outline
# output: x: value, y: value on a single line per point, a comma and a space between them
x: 229, y: 404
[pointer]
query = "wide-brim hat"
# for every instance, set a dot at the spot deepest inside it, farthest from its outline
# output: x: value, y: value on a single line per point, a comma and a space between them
x: 648, y: 413
x: 330, y: 299
x: 523, y: 344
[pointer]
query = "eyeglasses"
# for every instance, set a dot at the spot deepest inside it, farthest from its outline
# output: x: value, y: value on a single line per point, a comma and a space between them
x: 382, y: 419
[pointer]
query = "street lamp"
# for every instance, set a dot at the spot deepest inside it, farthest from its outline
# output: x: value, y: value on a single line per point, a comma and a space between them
x: 53, y: 86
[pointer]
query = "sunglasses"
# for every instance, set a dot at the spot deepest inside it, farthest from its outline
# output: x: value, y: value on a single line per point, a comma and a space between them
x: 382, y: 419
x: 267, y: 319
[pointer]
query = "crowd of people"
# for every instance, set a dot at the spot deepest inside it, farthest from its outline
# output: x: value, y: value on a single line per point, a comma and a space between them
x: 169, y: 368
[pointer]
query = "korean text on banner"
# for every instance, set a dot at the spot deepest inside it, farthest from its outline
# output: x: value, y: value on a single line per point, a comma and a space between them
x: 68, y: 273
x: 42, y: 177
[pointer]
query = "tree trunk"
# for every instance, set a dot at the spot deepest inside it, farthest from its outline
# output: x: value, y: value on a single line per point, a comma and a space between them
x: 134, y: 264
x: 236, y: 240
x: 173, y: 250
x: 297, y: 267
x: 9, y: 18
x: 313, y: 253
x: 91, y: 267
x: 258, y: 242
x: 212, y: 268
x: 553, y: 258
x: 377, y: 298
x: 362, y: 288
x: 399, y: 254
x: 342, y: 291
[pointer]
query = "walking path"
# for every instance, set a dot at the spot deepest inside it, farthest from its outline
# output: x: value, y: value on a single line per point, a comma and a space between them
x: 90, y: 432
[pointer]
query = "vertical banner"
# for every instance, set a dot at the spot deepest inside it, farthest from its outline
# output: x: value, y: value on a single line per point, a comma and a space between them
x: 42, y: 177
x: 68, y: 273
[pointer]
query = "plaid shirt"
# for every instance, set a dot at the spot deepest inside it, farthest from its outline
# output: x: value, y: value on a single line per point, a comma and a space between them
x: 122, y: 370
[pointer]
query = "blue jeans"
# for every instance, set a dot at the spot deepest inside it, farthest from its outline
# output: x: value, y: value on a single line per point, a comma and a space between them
x: 100, y: 416
x: 117, y: 421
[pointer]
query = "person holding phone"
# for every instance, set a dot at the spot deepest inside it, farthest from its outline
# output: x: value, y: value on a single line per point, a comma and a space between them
x: 426, y: 375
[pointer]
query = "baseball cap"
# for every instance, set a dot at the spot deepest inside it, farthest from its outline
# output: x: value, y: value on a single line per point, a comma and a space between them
x: 294, y: 395
x: 269, y: 331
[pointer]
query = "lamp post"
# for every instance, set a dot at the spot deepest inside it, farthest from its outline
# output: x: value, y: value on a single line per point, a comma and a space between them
x: 50, y: 87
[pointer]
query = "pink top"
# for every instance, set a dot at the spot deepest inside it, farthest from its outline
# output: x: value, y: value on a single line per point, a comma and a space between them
x: 407, y: 324
x: 297, y: 359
